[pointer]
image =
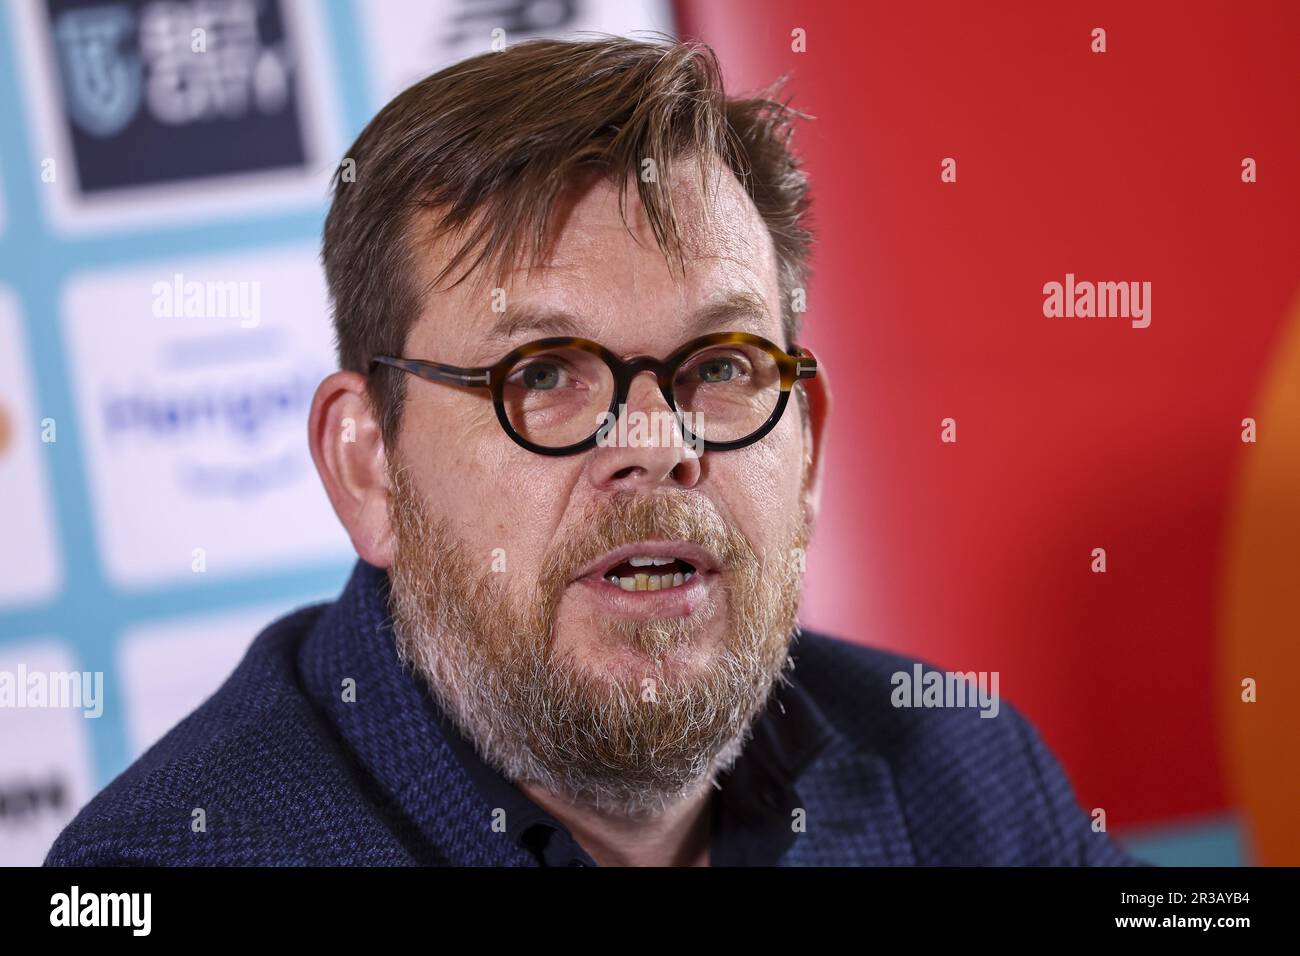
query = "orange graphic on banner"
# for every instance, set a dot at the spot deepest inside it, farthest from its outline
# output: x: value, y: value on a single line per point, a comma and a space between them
x: 1260, y: 618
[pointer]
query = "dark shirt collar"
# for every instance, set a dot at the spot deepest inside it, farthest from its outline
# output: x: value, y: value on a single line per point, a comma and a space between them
x: 752, y: 810
x: 530, y: 826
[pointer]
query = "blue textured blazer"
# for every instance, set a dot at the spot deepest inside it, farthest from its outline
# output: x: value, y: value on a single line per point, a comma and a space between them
x: 281, y: 770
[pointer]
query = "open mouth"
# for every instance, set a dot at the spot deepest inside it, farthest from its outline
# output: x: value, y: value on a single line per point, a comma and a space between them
x: 646, y: 572
x: 647, y: 579
x: 652, y: 566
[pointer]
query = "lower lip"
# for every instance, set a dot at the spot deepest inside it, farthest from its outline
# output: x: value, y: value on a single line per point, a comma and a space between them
x: 680, y: 601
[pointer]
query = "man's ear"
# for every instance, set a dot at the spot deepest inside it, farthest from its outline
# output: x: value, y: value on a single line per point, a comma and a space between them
x: 818, y: 395
x: 347, y: 446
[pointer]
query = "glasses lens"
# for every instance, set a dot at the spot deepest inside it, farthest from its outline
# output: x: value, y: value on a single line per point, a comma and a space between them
x: 727, y: 392
x: 556, y: 398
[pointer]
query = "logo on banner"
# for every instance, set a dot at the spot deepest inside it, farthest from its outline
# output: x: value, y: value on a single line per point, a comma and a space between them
x: 6, y: 430
x: 160, y: 92
x: 192, y: 403
x: 102, y: 79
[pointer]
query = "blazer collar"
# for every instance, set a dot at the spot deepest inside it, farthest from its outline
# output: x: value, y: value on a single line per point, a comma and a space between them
x: 392, y: 728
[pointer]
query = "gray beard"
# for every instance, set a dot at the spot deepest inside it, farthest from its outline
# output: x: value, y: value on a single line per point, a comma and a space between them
x: 628, y: 746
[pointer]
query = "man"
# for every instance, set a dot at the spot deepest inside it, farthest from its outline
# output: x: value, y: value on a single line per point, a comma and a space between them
x: 577, y: 448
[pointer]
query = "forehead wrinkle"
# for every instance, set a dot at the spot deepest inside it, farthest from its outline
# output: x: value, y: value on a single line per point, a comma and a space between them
x: 532, y: 318
x: 735, y: 310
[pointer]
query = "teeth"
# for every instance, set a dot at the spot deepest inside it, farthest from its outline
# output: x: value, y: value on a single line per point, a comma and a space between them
x: 650, y: 582
x: 644, y: 561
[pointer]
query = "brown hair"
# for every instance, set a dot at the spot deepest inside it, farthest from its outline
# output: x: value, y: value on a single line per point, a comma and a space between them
x: 490, y: 143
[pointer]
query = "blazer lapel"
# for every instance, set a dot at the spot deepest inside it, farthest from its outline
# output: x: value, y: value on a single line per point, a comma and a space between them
x: 391, y: 727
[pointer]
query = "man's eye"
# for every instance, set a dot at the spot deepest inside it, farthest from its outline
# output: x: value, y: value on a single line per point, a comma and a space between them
x: 541, y: 376
x: 716, y: 370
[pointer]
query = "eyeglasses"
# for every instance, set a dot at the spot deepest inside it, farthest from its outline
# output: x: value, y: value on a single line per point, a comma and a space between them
x: 725, y: 390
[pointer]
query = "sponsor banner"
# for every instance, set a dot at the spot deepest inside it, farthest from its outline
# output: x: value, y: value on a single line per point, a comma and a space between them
x: 148, y: 111
x: 193, y: 380
x: 30, y: 570
x: 45, y: 775
x: 168, y: 668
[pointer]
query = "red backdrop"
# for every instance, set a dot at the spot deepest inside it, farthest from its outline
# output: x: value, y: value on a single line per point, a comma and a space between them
x: 1073, y: 434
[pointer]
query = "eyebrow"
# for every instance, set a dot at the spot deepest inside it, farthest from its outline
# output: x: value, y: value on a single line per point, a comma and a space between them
x: 737, y: 308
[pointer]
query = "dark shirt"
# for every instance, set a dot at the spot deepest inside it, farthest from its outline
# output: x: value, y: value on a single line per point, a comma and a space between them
x: 752, y: 811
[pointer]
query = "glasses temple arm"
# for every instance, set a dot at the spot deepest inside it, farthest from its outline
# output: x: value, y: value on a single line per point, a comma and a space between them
x: 437, y: 372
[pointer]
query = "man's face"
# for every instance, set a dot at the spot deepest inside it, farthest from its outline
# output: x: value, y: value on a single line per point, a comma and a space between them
x: 500, y: 575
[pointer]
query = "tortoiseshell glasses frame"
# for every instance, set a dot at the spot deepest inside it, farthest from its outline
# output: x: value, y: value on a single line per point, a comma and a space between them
x: 793, y: 365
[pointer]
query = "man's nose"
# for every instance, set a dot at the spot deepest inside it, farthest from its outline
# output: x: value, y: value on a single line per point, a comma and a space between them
x: 645, y: 448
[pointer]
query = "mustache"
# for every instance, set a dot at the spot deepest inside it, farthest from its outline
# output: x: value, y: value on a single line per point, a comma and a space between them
x: 629, y: 518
